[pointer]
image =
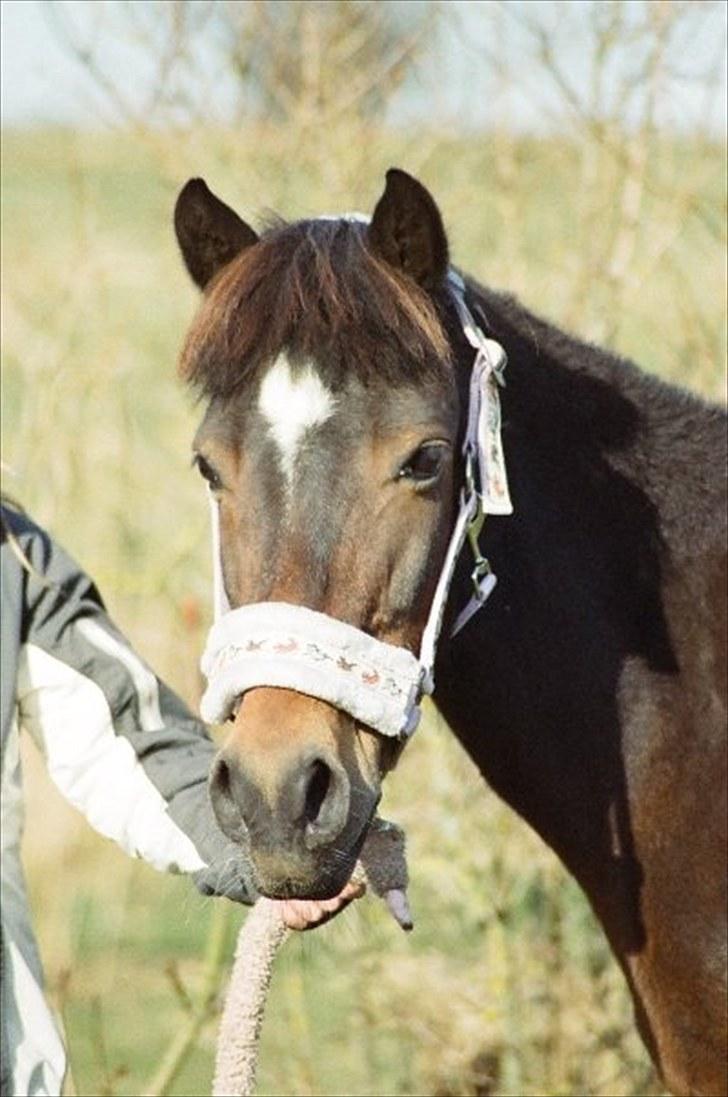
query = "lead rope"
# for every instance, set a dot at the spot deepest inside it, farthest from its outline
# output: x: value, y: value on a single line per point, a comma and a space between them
x: 382, y: 867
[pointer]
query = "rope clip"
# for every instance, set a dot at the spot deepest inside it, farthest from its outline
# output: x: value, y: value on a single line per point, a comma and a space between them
x: 473, y: 497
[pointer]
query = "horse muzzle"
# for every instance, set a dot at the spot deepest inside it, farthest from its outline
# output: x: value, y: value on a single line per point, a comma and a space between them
x: 280, y: 787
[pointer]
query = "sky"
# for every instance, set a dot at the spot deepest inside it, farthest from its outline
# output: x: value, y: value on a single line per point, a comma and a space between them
x: 41, y: 83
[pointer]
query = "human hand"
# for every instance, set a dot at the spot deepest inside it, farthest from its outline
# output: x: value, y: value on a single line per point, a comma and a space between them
x: 304, y: 914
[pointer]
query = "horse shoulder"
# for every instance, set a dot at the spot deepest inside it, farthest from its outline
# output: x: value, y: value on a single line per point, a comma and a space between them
x: 674, y: 736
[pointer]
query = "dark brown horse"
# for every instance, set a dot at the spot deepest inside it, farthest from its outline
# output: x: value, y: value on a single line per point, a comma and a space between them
x: 590, y: 691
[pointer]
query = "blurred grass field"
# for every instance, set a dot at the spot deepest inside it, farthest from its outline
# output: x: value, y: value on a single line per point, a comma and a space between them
x: 506, y: 986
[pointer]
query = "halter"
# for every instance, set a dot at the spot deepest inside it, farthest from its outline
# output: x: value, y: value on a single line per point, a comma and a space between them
x: 381, y: 685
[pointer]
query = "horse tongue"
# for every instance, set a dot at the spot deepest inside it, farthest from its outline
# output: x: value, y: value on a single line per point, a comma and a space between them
x: 383, y: 867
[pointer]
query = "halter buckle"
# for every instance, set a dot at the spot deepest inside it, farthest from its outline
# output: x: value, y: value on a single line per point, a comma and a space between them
x: 475, y: 527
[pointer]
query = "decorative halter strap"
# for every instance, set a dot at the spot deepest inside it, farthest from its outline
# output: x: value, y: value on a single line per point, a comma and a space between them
x: 381, y: 685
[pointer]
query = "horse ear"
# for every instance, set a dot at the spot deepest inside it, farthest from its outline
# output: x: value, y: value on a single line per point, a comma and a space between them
x: 209, y: 233
x: 407, y: 231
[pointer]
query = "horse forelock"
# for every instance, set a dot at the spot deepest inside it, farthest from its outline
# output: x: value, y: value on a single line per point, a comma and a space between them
x: 315, y: 291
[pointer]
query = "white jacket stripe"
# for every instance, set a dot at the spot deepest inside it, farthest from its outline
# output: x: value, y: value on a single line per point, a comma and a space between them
x: 96, y: 769
x: 145, y: 683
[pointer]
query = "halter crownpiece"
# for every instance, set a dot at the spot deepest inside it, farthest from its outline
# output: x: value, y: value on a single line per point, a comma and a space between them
x: 292, y: 647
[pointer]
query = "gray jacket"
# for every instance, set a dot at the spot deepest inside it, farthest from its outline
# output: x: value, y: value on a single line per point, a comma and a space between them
x: 119, y: 745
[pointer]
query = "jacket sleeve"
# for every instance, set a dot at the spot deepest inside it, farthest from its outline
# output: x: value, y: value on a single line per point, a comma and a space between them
x: 120, y: 745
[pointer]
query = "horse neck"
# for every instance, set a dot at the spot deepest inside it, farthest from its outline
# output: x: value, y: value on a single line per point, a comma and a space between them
x: 534, y: 685
x: 587, y: 409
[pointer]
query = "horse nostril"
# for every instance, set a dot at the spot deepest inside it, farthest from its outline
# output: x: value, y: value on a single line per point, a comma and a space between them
x: 227, y: 812
x: 318, y: 786
x: 309, y: 803
x: 221, y: 777
x: 325, y: 802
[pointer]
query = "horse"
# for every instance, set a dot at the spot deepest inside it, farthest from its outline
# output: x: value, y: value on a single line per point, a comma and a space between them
x: 590, y: 689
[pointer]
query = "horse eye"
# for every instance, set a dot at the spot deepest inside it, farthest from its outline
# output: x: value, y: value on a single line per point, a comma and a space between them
x: 207, y: 472
x: 424, y: 464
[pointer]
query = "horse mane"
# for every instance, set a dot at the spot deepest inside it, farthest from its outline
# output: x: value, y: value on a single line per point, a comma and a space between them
x: 313, y: 289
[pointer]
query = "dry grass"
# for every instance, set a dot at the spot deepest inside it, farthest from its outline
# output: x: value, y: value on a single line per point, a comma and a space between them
x: 507, y: 986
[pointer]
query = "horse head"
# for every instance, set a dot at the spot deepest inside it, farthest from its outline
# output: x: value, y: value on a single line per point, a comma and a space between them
x: 325, y: 351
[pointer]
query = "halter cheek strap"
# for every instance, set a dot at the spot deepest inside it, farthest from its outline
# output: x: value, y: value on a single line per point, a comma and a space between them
x: 381, y: 685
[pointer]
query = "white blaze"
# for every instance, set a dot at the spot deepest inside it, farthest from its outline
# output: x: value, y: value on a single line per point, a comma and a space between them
x: 292, y: 404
